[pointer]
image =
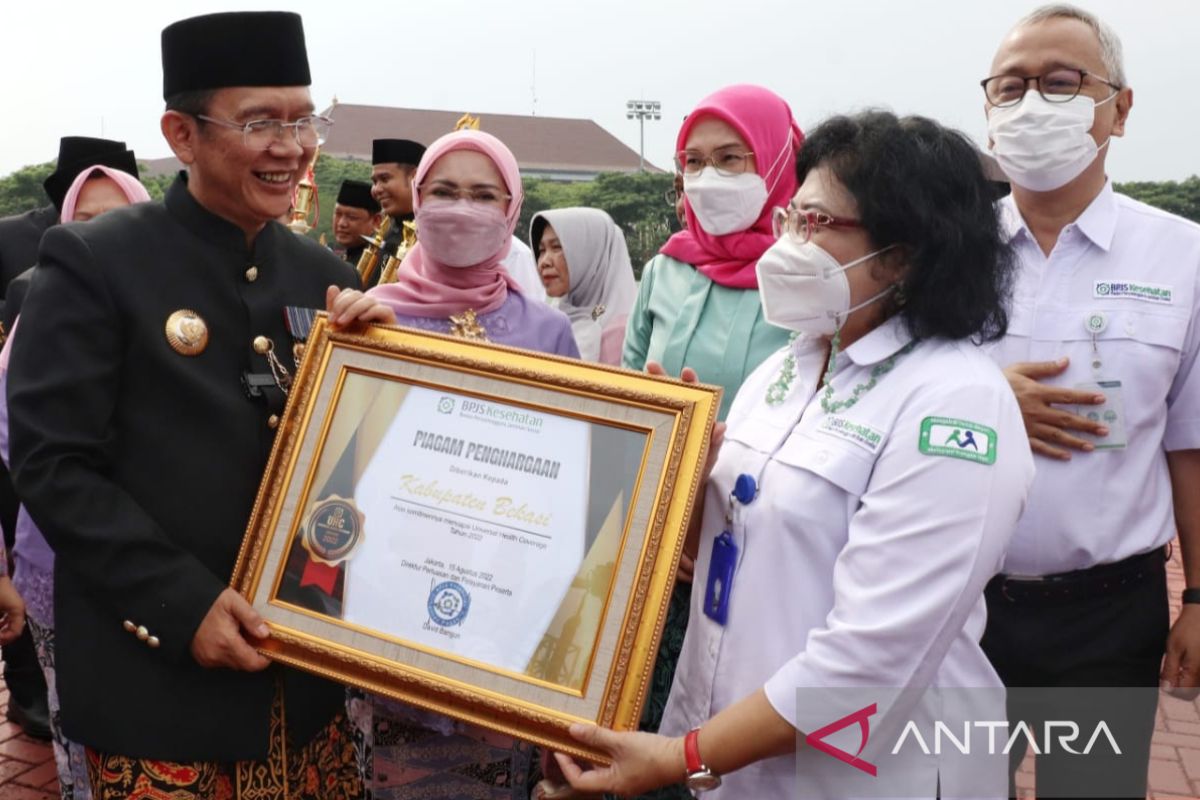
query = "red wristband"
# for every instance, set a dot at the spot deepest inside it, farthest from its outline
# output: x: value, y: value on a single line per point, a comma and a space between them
x: 691, y: 751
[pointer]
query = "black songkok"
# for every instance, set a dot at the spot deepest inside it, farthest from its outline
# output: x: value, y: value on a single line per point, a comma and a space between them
x: 236, y: 48
x: 358, y: 195
x: 77, y: 153
x: 396, y: 151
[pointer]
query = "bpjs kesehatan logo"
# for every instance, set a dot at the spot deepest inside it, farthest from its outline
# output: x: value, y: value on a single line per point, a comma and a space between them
x: 967, y: 737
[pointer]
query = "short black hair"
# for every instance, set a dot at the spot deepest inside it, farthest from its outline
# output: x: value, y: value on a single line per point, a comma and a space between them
x: 921, y: 186
x: 193, y: 103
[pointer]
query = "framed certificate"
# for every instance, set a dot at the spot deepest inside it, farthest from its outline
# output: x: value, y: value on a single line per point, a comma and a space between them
x: 478, y: 531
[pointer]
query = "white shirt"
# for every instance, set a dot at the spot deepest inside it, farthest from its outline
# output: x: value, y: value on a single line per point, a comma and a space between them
x: 520, y: 264
x: 863, y: 559
x: 1107, y: 505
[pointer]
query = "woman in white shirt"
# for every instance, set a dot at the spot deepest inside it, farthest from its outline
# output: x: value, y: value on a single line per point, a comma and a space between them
x: 870, y: 477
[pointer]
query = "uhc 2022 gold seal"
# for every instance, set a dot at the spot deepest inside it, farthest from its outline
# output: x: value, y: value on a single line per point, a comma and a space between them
x: 333, y: 531
x: 187, y: 332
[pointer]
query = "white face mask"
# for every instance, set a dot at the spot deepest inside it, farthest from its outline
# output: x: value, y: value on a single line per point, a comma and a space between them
x: 805, y: 289
x: 1043, y: 146
x: 725, y: 204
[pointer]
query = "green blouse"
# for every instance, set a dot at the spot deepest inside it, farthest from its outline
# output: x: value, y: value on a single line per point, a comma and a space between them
x: 683, y: 319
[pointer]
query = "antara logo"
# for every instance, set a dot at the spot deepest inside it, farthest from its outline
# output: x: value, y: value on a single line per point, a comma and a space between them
x: 1069, y: 734
x: 1064, y: 733
x: 817, y: 739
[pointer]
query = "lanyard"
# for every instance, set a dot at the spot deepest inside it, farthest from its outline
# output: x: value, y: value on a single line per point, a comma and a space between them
x: 725, y: 551
x: 1096, y: 323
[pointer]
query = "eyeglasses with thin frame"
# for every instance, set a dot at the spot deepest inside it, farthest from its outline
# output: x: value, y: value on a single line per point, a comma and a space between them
x: 447, y: 193
x: 799, y: 225
x: 260, y: 134
x: 727, y: 161
x: 1059, y: 85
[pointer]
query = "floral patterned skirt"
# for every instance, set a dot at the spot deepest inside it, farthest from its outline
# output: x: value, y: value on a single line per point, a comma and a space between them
x: 324, y: 769
x: 407, y: 754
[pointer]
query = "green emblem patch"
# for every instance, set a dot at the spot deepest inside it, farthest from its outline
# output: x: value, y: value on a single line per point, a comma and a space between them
x: 957, y: 438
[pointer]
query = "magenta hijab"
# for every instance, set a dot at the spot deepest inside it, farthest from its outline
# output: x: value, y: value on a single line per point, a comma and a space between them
x: 765, y: 121
x: 426, y: 288
x: 130, y: 186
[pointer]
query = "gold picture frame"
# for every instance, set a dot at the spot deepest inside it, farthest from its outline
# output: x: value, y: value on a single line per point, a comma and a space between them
x: 434, y: 592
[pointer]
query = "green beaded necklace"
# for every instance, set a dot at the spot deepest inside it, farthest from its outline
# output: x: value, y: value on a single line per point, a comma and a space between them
x: 782, y: 384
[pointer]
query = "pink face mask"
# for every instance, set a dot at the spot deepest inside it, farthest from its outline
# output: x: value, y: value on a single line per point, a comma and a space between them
x: 461, y: 233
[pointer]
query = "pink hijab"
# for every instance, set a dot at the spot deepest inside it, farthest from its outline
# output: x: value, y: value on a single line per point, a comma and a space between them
x: 427, y: 288
x: 765, y: 121
x: 130, y: 186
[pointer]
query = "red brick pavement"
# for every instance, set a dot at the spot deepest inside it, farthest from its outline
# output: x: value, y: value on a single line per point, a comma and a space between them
x: 27, y: 767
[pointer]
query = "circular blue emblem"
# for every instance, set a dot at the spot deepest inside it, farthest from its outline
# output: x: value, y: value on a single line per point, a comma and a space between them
x: 448, y: 604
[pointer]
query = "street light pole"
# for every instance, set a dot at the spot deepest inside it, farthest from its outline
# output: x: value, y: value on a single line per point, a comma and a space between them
x: 643, y: 110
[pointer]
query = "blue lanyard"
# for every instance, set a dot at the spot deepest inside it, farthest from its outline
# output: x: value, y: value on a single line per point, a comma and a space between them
x: 725, y: 553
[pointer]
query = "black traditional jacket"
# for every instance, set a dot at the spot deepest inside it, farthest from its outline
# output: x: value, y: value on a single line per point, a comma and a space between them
x: 138, y: 445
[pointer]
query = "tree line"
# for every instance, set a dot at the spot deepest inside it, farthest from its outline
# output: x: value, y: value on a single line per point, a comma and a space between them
x: 636, y: 201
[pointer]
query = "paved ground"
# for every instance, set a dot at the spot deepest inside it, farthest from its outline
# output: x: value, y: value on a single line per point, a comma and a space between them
x: 27, y: 767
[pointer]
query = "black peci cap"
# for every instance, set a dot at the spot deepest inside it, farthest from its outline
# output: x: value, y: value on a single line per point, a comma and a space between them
x: 358, y: 195
x: 77, y: 153
x: 396, y: 151
x: 237, y: 48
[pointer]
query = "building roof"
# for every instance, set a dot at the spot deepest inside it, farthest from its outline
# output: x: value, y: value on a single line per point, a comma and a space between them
x: 544, y: 146
x: 555, y: 148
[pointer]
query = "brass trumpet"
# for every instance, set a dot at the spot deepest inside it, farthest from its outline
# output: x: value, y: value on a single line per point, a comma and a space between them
x: 371, y: 254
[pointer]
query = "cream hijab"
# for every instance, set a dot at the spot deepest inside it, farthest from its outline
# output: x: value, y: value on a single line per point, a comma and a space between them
x: 602, y: 288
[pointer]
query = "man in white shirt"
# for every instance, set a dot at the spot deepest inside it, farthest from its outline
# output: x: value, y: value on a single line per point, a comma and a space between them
x: 1100, y: 352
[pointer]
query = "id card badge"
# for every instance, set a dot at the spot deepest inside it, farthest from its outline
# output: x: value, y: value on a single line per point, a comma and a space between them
x: 1111, y: 414
x: 720, y: 578
x: 725, y: 552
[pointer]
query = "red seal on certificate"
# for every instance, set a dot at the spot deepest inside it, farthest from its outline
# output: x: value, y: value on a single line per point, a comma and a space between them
x: 333, y: 531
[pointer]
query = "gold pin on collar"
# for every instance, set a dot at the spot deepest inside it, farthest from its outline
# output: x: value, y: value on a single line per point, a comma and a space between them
x: 187, y: 332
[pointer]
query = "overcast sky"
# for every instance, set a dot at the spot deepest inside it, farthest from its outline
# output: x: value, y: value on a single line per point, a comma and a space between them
x: 93, y: 68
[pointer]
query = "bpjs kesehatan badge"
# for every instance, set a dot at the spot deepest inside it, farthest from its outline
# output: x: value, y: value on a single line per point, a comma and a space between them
x: 333, y: 531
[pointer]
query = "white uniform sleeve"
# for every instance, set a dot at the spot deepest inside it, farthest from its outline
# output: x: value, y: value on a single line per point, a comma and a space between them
x: 520, y: 264
x: 930, y: 531
x: 1183, y: 399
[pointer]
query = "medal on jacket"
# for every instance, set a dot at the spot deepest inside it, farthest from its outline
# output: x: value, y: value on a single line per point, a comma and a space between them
x: 725, y: 553
x: 186, y: 332
x: 299, y: 322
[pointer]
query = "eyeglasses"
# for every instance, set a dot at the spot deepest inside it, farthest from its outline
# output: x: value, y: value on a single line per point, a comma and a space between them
x: 799, y: 225
x: 727, y: 161
x: 1059, y: 85
x: 444, y: 193
x: 260, y: 134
